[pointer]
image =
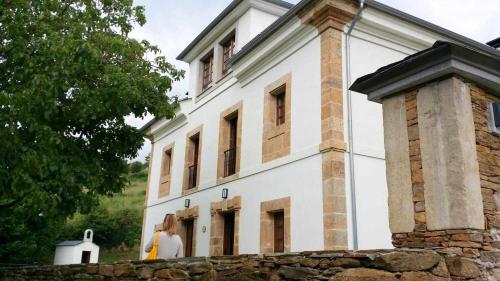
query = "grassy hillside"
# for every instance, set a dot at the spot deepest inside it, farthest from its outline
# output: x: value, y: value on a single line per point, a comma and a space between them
x: 132, y: 199
x: 116, y: 222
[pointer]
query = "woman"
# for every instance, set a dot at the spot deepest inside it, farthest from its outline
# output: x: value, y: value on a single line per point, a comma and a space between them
x: 169, y: 243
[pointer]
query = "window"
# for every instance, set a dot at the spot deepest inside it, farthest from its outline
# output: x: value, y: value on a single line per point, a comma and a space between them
x: 192, y: 160
x: 188, y: 226
x: 275, y: 226
x: 228, y: 244
x: 230, y: 153
x: 167, y: 161
x: 227, y: 52
x: 193, y: 168
x: 279, y: 231
x: 280, y: 106
x: 228, y: 162
x: 277, y: 119
x: 495, y: 117
x: 166, y: 168
x: 207, y: 70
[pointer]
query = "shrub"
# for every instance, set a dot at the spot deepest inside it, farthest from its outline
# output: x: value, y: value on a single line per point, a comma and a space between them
x: 111, y: 229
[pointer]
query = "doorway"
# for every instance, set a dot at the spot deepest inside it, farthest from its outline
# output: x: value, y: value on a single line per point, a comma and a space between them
x: 85, y: 257
x: 228, y: 244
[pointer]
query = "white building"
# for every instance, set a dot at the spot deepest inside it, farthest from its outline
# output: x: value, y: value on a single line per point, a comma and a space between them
x: 301, y: 157
x: 77, y: 251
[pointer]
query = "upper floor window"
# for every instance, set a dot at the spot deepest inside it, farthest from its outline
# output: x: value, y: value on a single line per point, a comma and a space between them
x: 227, y: 51
x: 207, y: 70
x: 193, y: 168
x: 279, y: 102
x: 166, y: 168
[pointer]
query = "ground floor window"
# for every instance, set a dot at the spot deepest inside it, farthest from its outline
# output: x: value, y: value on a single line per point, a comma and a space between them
x: 275, y: 226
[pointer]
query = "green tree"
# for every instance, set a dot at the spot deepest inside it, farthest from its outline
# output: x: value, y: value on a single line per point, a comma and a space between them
x: 135, y: 167
x: 69, y: 74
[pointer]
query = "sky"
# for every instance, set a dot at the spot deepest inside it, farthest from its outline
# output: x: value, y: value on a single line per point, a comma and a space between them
x: 173, y: 24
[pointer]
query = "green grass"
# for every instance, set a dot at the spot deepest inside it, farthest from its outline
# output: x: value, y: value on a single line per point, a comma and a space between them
x: 131, y: 198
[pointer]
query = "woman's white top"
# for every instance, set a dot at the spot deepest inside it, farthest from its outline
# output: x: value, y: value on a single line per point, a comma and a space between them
x: 169, y: 246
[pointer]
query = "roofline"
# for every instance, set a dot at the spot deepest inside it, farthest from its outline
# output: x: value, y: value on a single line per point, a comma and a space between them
x: 371, y: 3
x: 268, y: 31
x: 495, y: 43
x: 219, y: 18
x: 443, y: 59
x: 152, y: 121
x: 433, y: 27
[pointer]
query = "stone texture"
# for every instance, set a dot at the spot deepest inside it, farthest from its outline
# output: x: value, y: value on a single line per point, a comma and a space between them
x: 340, y: 265
x: 124, y: 269
x: 106, y: 270
x: 421, y: 276
x: 397, y: 162
x: 449, y: 160
x: 461, y: 267
x: 363, y: 274
x: 402, y: 261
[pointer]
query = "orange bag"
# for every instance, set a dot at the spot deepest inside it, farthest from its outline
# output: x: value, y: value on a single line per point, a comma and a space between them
x: 154, y: 251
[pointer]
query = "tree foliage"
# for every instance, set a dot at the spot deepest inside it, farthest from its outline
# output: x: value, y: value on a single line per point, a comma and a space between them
x: 69, y: 74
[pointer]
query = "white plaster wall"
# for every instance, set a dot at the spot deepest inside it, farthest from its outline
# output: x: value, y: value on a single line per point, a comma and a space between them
x: 299, y: 173
x: 73, y: 254
x: 368, y: 147
x: 377, y: 41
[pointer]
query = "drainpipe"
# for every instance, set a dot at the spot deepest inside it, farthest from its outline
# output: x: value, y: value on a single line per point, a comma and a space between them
x: 349, y: 126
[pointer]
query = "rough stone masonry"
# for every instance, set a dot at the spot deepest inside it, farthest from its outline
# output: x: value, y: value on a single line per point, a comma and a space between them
x: 407, y: 265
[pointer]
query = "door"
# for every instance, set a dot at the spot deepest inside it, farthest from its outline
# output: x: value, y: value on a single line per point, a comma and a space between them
x: 188, y: 226
x: 279, y: 232
x: 85, y: 256
x: 228, y: 246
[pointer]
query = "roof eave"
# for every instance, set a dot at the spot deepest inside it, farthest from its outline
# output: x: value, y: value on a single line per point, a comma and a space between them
x: 442, y: 60
x: 218, y: 19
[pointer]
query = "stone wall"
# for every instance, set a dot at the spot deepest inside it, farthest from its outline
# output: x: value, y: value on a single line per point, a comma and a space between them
x: 334, y: 266
x: 469, y: 241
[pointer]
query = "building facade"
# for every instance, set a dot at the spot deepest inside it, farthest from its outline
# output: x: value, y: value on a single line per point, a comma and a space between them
x: 271, y: 152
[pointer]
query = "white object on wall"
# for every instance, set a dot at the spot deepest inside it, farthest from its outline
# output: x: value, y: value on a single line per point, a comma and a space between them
x: 77, y: 251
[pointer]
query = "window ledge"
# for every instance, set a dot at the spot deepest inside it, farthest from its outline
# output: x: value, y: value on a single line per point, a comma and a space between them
x: 213, y: 86
x: 189, y: 191
x: 227, y: 179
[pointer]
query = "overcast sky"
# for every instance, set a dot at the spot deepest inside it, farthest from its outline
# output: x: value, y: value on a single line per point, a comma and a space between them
x: 173, y: 24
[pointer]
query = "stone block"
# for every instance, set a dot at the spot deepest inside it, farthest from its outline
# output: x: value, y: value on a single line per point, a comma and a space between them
x: 124, y: 269
x: 403, y: 261
x: 398, y: 165
x: 461, y: 267
x: 106, y: 270
x: 449, y: 158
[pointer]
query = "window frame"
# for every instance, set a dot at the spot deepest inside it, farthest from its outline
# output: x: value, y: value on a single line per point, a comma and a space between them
x: 166, y: 176
x: 207, y: 70
x: 228, y: 46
